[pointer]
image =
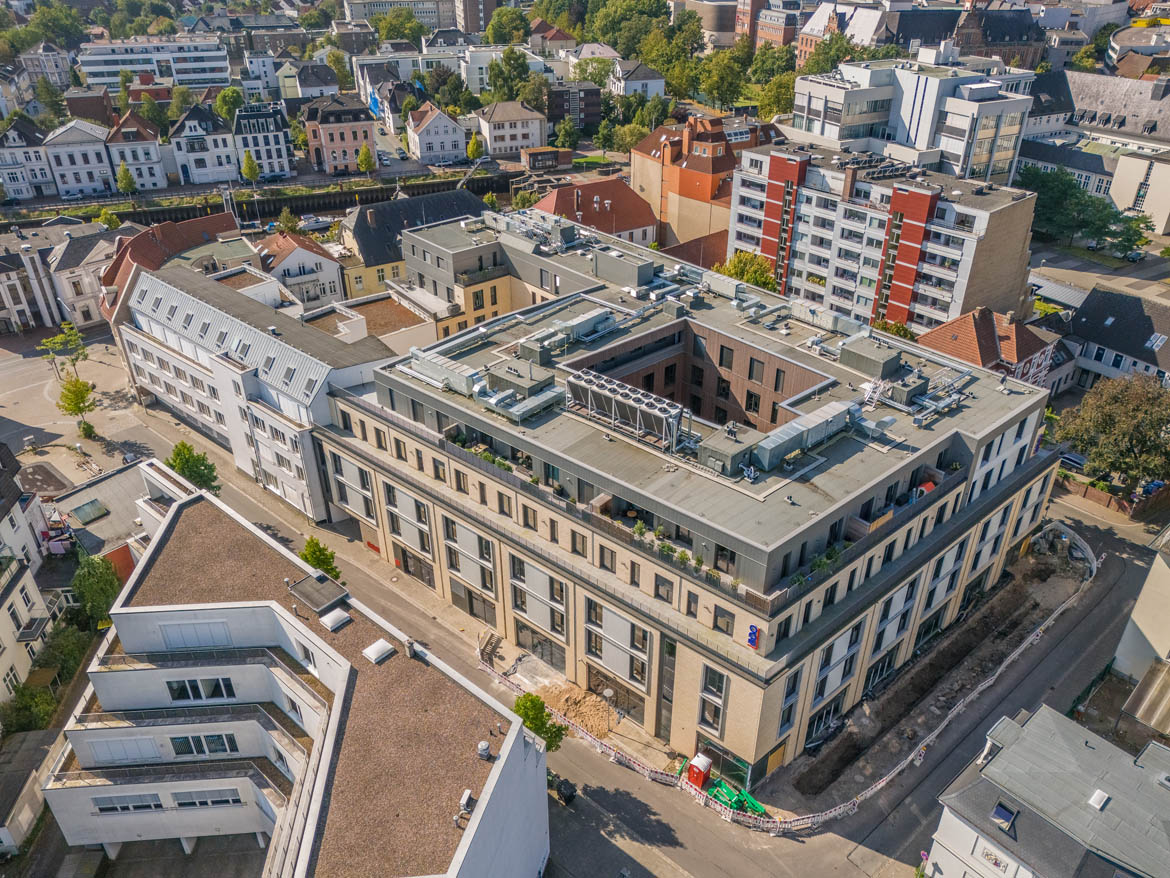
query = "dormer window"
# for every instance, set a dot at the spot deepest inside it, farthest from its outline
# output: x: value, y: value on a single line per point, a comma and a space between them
x: 1003, y: 816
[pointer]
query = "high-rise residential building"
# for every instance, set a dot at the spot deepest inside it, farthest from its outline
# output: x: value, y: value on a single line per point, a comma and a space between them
x: 668, y: 484
x: 963, y: 115
x: 865, y: 236
x: 236, y: 368
x: 243, y: 696
x: 187, y: 59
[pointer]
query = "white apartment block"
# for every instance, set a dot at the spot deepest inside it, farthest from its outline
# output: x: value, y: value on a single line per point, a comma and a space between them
x: 244, y: 374
x: 964, y: 116
x: 195, y: 60
x: 434, y: 14
x: 261, y: 67
x: 475, y: 60
x: 46, y: 60
x: 24, y: 167
x: 506, y: 127
x: 433, y: 136
x: 204, y: 149
x: 78, y: 160
x: 238, y: 695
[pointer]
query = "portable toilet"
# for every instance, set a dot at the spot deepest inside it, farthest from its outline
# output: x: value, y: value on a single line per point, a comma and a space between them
x: 699, y: 769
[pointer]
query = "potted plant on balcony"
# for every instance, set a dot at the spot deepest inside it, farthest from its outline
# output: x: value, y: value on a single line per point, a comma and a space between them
x: 666, y: 549
x: 639, y: 528
x: 683, y: 557
x: 820, y: 564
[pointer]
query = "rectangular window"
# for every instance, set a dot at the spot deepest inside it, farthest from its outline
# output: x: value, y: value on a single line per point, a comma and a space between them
x: 528, y: 516
x: 504, y: 504
x: 726, y: 357
x: 663, y: 588
x: 724, y: 621
x: 593, y: 643
x: 692, y: 604
x: 579, y: 544
x: 606, y: 558
x: 593, y: 612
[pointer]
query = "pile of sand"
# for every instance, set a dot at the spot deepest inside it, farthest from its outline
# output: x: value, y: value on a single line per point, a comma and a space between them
x: 581, y: 706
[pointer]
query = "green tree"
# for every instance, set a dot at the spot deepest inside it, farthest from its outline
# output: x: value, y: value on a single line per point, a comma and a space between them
x: 409, y: 105
x: 194, y: 467
x: 539, y: 720
x: 750, y: 268
x: 653, y: 112
x: 296, y: 133
x: 491, y: 201
x: 534, y: 91
x: 1101, y: 38
x: 125, y: 180
x: 1044, y: 66
x: 227, y: 102
x: 743, y: 52
x: 109, y: 219
x: 1057, y: 194
x: 624, y: 24
x: 508, y: 25
x: 58, y: 23
x: 365, y: 160
x: 595, y: 70
x: 249, y: 169
x: 96, y: 585
x: 182, y: 99
x: 27, y: 709
x: 153, y: 113
x: 567, y: 134
x: 67, y: 344
x: 682, y: 78
x: 524, y: 199
x: 603, y: 139
x: 125, y: 77
x: 1129, y: 233
x: 626, y: 137
x: 474, y: 147
x: 1084, y: 60
x: 722, y: 79
x: 893, y: 327
x: 64, y: 649
x: 1121, y: 426
x: 338, y: 64
x: 778, y: 95
x: 506, y: 73
x: 50, y: 98
x: 319, y: 557
x: 398, y: 24
x: 770, y: 61
x: 287, y: 221
x: 76, y: 400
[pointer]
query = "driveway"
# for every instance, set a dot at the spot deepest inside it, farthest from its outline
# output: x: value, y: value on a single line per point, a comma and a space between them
x: 1149, y: 278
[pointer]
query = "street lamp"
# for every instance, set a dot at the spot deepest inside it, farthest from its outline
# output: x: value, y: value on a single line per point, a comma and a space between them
x: 607, y: 694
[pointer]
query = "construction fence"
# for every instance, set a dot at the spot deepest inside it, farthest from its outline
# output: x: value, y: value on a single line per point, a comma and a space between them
x: 777, y: 826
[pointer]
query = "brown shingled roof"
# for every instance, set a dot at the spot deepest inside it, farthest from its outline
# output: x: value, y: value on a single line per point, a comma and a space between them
x: 984, y: 338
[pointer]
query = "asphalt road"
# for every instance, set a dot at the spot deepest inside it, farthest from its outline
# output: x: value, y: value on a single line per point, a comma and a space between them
x: 620, y: 820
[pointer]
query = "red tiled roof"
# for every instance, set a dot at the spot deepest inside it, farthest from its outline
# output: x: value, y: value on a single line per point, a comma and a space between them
x: 421, y: 117
x: 540, y: 26
x: 556, y: 35
x: 984, y: 338
x: 151, y: 247
x: 704, y: 251
x: 282, y: 245
x: 617, y: 207
x: 132, y: 122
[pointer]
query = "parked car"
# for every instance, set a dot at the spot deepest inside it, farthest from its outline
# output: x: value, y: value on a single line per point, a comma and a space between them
x: 445, y: 163
x: 1093, y: 245
x: 1073, y: 461
x: 270, y: 178
x: 1136, y: 256
x: 310, y: 223
x: 381, y: 130
x: 73, y: 196
x: 401, y: 153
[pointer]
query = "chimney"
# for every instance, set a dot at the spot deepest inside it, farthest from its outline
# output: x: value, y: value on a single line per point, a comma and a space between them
x: 370, y: 215
x: 688, y: 134
x: 1010, y: 317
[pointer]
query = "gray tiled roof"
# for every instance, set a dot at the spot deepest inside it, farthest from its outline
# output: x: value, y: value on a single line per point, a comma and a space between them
x: 1068, y: 157
x: 376, y: 227
x: 1124, y: 323
x: 76, y: 249
x: 1047, y: 769
x: 1119, y: 105
x: 1050, y: 95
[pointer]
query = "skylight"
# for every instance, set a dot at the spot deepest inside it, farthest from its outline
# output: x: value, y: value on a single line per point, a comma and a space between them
x: 1003, y: 816
x: 1108, y: 321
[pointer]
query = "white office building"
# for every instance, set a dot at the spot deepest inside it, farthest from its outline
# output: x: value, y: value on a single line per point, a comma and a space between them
x: 243, y: 694
x: 261, y: 68
x: 196, y: 60
x: 78, y: 160
x: 240, y: 371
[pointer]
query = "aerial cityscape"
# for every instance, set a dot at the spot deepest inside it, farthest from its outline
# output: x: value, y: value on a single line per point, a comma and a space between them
x: 609, y: 439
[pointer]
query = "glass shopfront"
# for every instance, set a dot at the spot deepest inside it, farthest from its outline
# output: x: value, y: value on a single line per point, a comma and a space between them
x: 540, y: 645
x: 625, y: 699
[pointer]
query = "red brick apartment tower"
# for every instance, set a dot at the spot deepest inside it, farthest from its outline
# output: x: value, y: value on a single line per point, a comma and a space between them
x: 910, y: 210
x: 785, y: 177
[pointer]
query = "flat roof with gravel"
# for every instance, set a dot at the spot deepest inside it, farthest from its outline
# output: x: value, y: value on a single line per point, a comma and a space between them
x: 406, y: 746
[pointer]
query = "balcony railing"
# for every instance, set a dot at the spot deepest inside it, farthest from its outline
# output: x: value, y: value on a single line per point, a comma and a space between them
x: 9, y: 568
x: 262, y: 772
x: 467, y: 278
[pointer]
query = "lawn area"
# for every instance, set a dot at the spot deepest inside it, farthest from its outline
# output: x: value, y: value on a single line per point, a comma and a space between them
x: 592, y: 160
x: 1098, y: 256
x: 751, y: 95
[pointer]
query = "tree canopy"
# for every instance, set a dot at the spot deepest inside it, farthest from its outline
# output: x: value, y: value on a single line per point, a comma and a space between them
x: 507, y: 73
x: 770, y: 61
x: 96, y: 585
x: 508, y: 25
x: 626, y: 137
x: 317, y: 555
x: 1122, y: 426
x: 76, y: 400
x: 227, y: 102
x: 722, y: 79
x: 194, y: 467
x: 751, y: 268
x: 397, y: 24
x: 567, y: 134
x: 595, y: 70
x: 1065, y: 211
x: 537, y: 719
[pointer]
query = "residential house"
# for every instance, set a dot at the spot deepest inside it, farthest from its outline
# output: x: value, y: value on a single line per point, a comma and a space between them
x: 204, y: 149
x: 372, y: 235
x: 450, y: 38
x: 629, y: 77
x: 93, y: 103
x: 146, y: 84
x: 262, y: 130
x: 47, y: 61
x: 315, y: 80
x: 1062, y: 44
x: 1046, y: 796
x: 998, y: 342
x: 338, y: 126
x: 506, y: 127
x: 23, y: 164
x: 16, y: 89
x: 302, y: 265
x: 261, y: 67
x: 973, y: 248
x: 608, y: 205
x: 241, y: 32
x: 135, y: 143
x: 286, y: 77
x: 76, y: 266
x: 77, y: 156
x: 474, y: 62
x: 548, y: 39
x: 386, y: 103
x: 277, y: 659
x: 579, y: 101
x: 433, y: 136
x: 1122, y: 335
x: 195, y: 60
x: 240, y: 370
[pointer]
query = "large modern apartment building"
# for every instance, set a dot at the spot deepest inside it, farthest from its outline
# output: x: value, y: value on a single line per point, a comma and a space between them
x: 962, y: 115
x: 868, y: 237
x: 186, y: 59
x: 233, y: 366
x: 737, y: 511
x: 245, y: 697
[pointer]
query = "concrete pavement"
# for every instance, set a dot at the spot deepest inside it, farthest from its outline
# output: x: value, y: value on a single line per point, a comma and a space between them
x: 622, y: 820
x: 1149, y: 278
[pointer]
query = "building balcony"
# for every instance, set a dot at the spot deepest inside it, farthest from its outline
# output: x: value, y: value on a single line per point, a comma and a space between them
x: 33, y: 628
x: 469, y: 278
x: 10, y: 567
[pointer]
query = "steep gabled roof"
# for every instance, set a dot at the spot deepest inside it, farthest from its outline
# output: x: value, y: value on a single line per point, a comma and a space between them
x: 316, y: 76
x: 132, y: 128
x: 508, y: 111
x: 282, y: 245
x: 1126, y: 324
x: 376, y: 227
x: 985, y: 338
x: 636, y: 71
x: 608, y: 205
x: 206, y: 119
x: 424, y: 115
x: 29, y: 133
x: 77, y: 131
